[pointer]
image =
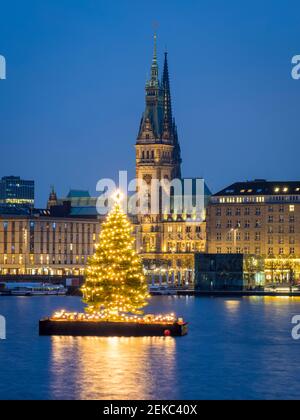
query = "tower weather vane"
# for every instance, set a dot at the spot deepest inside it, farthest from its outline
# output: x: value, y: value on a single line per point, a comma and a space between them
x: 155, y: 26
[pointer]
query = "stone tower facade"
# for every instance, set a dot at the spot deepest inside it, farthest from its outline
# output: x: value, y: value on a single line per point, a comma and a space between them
x: 52, y: 200
x: 166, y: 241
x: 157, y: 147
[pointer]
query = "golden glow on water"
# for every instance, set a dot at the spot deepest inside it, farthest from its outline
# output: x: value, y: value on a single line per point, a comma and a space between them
x: 274, y: 299
x: 112, y: 367
x: 232, y: 305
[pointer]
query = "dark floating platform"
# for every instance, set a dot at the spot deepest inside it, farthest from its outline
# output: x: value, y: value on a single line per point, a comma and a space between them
x: 49, y: 326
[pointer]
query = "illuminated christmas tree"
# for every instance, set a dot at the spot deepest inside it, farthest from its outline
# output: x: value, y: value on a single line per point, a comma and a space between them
x: 115, y: 283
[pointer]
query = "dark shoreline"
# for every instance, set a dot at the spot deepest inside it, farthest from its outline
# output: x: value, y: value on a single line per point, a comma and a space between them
x: 231, y: 293
x: 197, y: 293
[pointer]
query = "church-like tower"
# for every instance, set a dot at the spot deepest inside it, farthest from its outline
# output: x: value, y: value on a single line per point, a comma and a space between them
x: 166, y: 239
x: 52, y: 200
x: 157, y: 147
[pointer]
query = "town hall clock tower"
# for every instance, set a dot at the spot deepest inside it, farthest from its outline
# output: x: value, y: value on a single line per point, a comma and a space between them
x: 157, y: 146
x: 166, y: 239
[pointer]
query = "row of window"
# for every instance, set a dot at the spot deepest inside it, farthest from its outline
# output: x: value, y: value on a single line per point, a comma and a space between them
x: 256, y: 211
x: 257, y: 250
x: 256, y: 199
x: 45, y: 226
x: 229, y: 237
x: 270, y: 230
x: 180, y: 228
x: 247, y: 223
x: 17, y: 248
x: 149, y: 154
x: 21, y: 241
x: 249, y: 199
x: 183, y: 247
x: 43, y: 259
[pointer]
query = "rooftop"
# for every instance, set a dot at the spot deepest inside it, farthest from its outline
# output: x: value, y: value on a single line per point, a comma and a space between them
x: 78, y: 194
x: 261, y: 187
x: 14, y: 178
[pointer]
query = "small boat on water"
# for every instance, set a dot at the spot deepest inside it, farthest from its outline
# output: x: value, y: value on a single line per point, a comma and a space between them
x: 162, y: 290
x: 32, y: 289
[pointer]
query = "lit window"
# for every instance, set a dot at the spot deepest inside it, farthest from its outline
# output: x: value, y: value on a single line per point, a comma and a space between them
x: 277, y: 189
x: 292, y: 208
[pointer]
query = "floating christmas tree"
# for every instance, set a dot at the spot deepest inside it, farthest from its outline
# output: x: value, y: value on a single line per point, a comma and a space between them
x: 115, y: 291
x: 115, y: 284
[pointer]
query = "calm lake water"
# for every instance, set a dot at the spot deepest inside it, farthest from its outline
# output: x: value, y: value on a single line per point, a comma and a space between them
x: 236, y: 348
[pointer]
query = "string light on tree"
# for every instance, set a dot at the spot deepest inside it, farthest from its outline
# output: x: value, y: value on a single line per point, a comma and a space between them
x: 115, y: 284
x: 115, y: 290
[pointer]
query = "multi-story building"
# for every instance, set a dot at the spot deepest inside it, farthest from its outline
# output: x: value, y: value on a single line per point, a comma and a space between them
x: 260, y: 218
x: 16, y: 192
x: 56, y: 241
x: 46, y: 242
x: 169, y: 240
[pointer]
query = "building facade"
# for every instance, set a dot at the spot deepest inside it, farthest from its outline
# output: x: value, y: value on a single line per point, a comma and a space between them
x: 58, y: 240
x: 257, y: 218
x: 16, y: 192
x: 46, y: 242
x: 260, y: 218
x: 167, y: 241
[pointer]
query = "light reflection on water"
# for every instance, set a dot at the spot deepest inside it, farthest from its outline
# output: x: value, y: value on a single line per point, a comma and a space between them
x: 112, y: 368
x: 236, y: 348
x: 232, y: 305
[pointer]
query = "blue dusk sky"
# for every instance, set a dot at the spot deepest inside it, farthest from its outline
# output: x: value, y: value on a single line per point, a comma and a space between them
x: 76, y: 70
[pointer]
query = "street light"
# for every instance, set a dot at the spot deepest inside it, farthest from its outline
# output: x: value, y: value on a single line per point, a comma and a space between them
x: 234, y: 235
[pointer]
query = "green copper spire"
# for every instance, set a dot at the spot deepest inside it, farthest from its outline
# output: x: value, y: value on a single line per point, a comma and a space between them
x: 155, y: 48
x: 151, y: 124
x: 157, y: 126
x: 154, y: 67
x: 167, y: 100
